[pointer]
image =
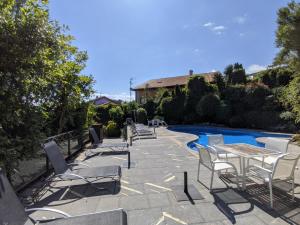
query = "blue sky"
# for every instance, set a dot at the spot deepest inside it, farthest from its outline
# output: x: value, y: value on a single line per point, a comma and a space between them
x: 147, y: 39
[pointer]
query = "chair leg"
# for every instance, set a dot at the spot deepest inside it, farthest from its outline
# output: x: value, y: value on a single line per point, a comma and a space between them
x: 198, y: 174
x: 237, y: 180
x: 293, y: 191
x: 271, y: 193
x: 212, y: 179
x: 240, y: 161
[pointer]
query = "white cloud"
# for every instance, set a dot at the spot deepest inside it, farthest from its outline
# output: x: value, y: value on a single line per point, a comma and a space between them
x: 213, y: 70
x: 240, y: 19
x: 241, y: 34
x: 254, y: 68
x: 124, y: 96
x: 208, y: 24
x: 218, y: 28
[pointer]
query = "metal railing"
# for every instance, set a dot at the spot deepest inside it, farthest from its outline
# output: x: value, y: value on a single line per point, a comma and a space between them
x: 32, y: 169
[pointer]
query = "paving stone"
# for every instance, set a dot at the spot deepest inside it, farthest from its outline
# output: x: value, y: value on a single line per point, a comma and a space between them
x: 134, y: 202
x: 145, y: 217
x: 158, y: 200
x: 106, y: 204
x: 145, y: 191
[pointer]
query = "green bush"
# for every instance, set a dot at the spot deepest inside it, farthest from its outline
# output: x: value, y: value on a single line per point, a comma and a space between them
x: 196, y: 88
x: 141, y: 115
x: 102, y: 114
x: 255, y: 95
x: 116, y: 114
x: 150, y: 107
x: 262, y: 119
x: 276, y: 77
x: 112, y: 129
x: 166, y: 108
x: 223, y: 113
x: 207, y: 107
x: 237, y: 121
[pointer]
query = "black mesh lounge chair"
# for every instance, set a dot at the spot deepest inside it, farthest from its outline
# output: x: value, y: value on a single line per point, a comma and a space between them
x: 142, y: 134
x: 100, y: 148
x: 12, y: 212
x: 89, y: 175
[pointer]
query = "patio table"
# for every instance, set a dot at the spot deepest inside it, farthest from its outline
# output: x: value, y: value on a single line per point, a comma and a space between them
x: 246, y: 151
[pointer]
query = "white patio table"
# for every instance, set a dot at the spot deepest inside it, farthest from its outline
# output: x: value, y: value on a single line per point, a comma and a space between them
x: 246, y: 151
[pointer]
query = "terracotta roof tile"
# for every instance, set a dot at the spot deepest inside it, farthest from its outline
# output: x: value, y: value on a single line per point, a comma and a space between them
x: 172, y: 81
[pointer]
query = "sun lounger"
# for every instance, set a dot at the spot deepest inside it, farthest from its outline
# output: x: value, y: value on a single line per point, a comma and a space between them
x: 12, y: 212
x: 100, y: 148
x: 88, y: 174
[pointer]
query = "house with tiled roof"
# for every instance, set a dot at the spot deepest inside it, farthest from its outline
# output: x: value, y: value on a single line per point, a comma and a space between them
x: 150, y: 87
x: 103, y: 100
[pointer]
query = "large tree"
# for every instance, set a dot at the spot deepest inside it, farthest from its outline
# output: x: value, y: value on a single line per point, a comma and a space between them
x: 288, y: 40
x: 235, y: 74
x: 288, y: 35
x: 40, y: 82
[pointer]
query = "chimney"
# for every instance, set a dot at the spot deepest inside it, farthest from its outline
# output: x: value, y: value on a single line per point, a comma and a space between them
x: 191, y: 72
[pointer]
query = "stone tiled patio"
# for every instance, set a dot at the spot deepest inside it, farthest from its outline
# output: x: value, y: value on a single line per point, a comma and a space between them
x: 145, y: 190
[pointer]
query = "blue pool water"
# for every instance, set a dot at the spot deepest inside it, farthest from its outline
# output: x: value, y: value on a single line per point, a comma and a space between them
x: 230, y: 135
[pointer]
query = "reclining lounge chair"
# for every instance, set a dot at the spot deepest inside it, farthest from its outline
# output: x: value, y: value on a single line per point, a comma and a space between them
x: 100, y: 148
x: 12, y: 212
x: 66, y: 171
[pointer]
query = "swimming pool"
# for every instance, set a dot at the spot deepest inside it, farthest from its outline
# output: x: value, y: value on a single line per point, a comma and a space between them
x: 230, y: 135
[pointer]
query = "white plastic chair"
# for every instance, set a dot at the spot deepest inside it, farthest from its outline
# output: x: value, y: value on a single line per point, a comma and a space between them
x: 282, y: 170
x: 218, y: 139
x: 274, y: 144
x: 213, y: 165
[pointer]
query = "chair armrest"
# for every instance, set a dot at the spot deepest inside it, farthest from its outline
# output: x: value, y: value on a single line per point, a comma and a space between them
x: 72, y: 175
x: 213, y: 149
x: 261, y: 169
x: 48, y: 210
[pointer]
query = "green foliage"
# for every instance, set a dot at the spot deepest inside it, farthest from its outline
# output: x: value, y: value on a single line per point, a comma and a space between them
x: 102, y: 114
x: 223, y: 113
x: 42, y: 91
x: 234, y: 96
x: 208, y: 106
x: 291, y: 97
x: 237, y: 121
x: 150, y: 107
x: 196, y: 88
x: 116, y: 114
x: 235, y: 74
x: 112, y: 129
x: 262, y: 119
x: 288, y: 35
x: 172, y: 107
x: 166, y: 108
x: 255, y: 95
x: 141, y: 115
x: 276, y: 77
x: 219, y: 81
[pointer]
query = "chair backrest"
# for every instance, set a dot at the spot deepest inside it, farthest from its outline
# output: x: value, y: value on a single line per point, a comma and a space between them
x: 96, y: 140
x: 56, y: 157
x: 277, y: 144
x: 285, y: 166
x: 204, y: 156
x: 12, y: 211
x: 215, y: 139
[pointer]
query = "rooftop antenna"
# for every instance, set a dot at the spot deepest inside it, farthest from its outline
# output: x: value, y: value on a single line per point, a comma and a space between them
x: 130, y: 85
